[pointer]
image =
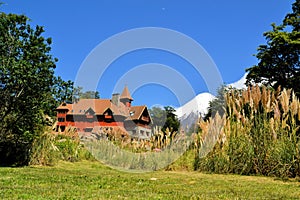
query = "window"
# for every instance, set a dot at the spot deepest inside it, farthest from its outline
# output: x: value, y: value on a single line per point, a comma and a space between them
x: 61, y: 119
x: 70, y: 118
x: 88, y: 129
x: 131, y: 113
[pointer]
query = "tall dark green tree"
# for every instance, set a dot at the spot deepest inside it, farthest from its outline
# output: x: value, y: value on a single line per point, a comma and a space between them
x: 62, y: 91
x: 27, y: 83
x: 279, y: 59
x: 218, y: 104
x: 172, y: 122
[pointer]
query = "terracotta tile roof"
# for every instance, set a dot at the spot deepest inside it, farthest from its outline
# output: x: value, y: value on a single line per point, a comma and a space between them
x: 121, y: 109
x: 136, y: 112
x: 64, y: 106
x: 126, y: 94
x: 99, y: 106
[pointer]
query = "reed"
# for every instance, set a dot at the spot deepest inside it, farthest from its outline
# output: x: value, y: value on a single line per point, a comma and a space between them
x: 51, y: 147
x: 260, y: 134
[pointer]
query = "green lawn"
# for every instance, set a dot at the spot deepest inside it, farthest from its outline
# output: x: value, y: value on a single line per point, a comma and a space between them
x: 91, y: 180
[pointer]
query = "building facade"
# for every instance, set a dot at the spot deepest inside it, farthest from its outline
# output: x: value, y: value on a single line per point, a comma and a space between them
x: 88, y: 115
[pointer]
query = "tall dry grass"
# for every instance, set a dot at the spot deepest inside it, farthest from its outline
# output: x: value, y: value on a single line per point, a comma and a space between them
x: 51, y: 147
x: 259, y: 136
x: 137, y: 155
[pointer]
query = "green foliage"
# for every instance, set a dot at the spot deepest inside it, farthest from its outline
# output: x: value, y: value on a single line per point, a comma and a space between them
x: 27, y: 75
x: 172, y: 123
x: 218, y: 104
x: 63, y: 90
x: 279, y: 58
x: 89, y: 95
x: 79, y: 94
x: 28, y: 88
x: 158, y: 116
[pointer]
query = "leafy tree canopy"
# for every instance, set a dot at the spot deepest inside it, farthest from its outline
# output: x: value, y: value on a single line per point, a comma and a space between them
x: 279, y: 59
x: 87, y: 94
x: 158, y: 116
x: 78, y: 93
x: 27, y: 86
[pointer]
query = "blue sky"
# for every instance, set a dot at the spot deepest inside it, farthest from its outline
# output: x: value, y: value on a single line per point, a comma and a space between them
x: 230, y: 32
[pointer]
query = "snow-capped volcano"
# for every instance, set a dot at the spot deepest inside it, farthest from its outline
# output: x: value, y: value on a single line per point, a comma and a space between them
x: 198, y: 106
x: 189, y: 113
x: 240, y: 84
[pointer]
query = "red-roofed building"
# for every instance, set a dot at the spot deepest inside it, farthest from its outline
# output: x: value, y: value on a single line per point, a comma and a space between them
x: 89, y: 114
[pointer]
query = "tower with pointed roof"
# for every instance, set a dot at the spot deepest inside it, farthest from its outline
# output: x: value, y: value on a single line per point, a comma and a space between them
x: 125, y: 97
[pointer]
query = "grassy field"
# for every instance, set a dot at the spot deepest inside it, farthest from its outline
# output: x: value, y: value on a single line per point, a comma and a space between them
x: 91, y: 180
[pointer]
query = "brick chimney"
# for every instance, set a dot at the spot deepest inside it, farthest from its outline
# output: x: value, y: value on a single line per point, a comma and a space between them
x: 115, y: 99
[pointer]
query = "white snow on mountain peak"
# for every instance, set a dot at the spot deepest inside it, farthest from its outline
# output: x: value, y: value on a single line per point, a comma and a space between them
x: 240, y: 84
x: 197, y: 105
x: 200, y: 103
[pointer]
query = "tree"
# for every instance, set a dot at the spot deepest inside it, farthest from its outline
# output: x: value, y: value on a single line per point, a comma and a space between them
x: 89, y: 95
x: 79, y: 94
x: 218, y: 104
x: 26, y: 84
x: 172, y: 122
x: 279, y: 59
x: 158, y: 116
x: 62, y: 91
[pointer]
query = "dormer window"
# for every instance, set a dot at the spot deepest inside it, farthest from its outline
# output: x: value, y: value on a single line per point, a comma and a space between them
x: 131, y: 113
